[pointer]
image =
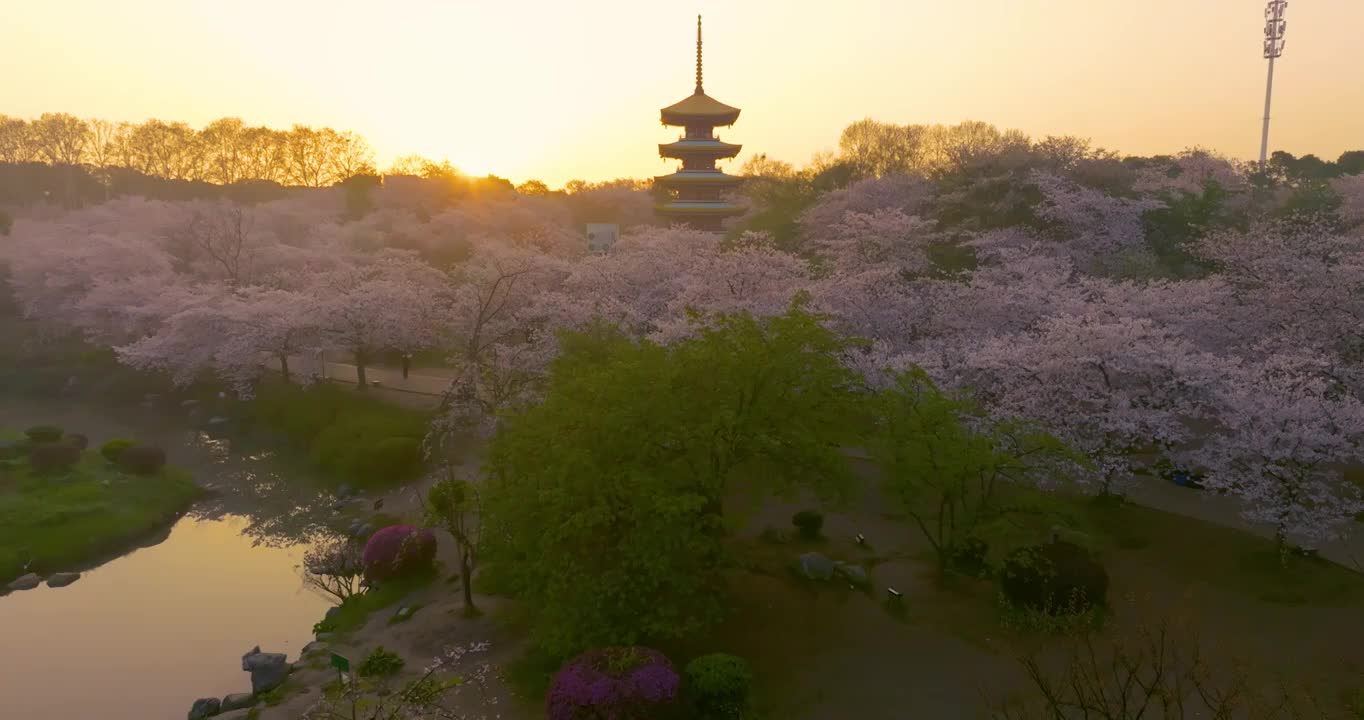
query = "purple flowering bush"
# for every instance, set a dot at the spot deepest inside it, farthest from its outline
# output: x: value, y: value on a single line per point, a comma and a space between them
x: 614, y: 683
x: 398, y: 550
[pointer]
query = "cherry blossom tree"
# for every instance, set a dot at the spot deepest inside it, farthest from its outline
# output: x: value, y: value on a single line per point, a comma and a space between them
x: 270, y: 322
x: 909, y: 194
x: 1191, y: 172
x: 1107, y: 387
x: 1097, y: 228
x: 1298, y: 285
x: 1350, y: 188
x: 378, y: 302
x: 502, y: 300
x: 188, y: 341
x: 56, y: 267
x: 859, y: 241
x: 1282, y: 448
x: 753, y: 278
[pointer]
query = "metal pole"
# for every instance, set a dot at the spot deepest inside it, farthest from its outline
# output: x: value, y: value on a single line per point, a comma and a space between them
x: 1264, y: 134
x: 1273, y: 46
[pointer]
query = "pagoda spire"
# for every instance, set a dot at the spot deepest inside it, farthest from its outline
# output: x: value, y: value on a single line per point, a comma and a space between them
x: 698, y: 54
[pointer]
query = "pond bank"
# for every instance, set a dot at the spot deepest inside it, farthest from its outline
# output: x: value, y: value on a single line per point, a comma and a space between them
x: 141, y: 635
x: 76, y: 518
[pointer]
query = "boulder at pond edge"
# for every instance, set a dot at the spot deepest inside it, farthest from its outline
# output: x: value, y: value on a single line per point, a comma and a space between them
x: 204, y: 708
x: 267, y: 670
x: 815, y: 566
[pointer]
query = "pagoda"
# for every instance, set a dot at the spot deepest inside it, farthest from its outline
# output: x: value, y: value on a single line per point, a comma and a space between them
x: 697, y: 187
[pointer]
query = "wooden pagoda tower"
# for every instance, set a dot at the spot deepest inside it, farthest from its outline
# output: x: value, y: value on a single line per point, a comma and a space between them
x: 696, y: 191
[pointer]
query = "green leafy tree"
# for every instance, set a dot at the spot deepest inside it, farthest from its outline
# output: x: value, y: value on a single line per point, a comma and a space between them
x: 453, y: 504
x: 1350, y: 162
x: 606, y: 506
x: 948, y: 476
x: 1173, y: 231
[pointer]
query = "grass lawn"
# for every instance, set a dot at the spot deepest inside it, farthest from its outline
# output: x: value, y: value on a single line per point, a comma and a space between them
x: 62, y: 520
x: 825, y: 650
x: 355, y: 438
x: 355, y: 611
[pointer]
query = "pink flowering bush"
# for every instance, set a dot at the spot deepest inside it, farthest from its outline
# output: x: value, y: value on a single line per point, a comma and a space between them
x: 613, y: 683
x: 398, y: 550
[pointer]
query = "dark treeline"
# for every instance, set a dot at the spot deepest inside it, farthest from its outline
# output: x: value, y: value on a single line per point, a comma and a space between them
x: 68, y: 161
x: 981, y: 174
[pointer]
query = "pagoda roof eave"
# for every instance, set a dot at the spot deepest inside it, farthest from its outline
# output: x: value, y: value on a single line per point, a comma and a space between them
x: 683, y: 120
x: 684, y: 177
x: 700, y: 208
x: 682, y: 149
x: 699, y: 109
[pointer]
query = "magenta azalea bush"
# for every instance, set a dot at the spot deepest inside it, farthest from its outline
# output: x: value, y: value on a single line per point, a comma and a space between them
x: 613, y: 683
x: 398, y: 550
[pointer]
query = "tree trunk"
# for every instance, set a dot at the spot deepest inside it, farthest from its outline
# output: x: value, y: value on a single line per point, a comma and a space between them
x: 465, y: 574
x: 407, y: 364
x: 360, y: 370
x: 284, y: 366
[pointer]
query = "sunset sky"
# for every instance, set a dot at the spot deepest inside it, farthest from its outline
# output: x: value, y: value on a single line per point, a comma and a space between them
x: 566, y: 90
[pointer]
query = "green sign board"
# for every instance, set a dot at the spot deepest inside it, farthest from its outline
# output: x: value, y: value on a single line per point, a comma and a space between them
x: 340, y: 663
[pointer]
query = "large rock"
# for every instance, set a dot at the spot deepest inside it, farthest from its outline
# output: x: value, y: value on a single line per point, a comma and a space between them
x: 25, y: 582
x: 63, y: 579
x: 267, y: 670
x: 237, y: 701
x: 204, y: 708
x: 856, y: 575
x: 815, y: 566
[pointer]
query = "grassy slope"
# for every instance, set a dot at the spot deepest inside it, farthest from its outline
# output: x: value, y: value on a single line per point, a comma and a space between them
x: 339, y: 428
x: 62, y: 520
x: 1292, y: 616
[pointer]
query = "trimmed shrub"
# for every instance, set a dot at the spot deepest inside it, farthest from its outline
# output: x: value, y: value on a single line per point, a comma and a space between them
x: 970, y: 557
x: 397, y: 551
x: 1058, y: 577
x: 13, y: 450
x: 808, y: 523
x: 114, y: 448
x: 346, y: 433
x: 53, y: 457
x: 142, y: 460
x: 717, y: 687
x: 628, y: 683
x: 380, y: 663
x: 44, y: 433
x: 77, y: 440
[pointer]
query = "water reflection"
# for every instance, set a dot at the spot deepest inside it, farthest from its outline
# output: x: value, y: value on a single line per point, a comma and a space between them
x: 142, y: 636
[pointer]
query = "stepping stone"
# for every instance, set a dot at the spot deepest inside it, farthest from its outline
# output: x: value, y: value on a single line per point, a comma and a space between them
x: 63, y: 579
x: 25, y: 582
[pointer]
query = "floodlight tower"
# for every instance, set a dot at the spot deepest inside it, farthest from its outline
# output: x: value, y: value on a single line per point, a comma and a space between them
x: 1274, y: 31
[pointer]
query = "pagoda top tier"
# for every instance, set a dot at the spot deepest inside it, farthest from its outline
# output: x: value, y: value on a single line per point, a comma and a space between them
x: 699, y: 109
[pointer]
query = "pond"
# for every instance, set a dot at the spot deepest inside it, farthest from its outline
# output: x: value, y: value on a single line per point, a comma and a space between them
x: 140, y: 636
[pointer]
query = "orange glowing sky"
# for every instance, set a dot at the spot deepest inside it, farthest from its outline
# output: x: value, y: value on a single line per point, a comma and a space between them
x: 568, y: 90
